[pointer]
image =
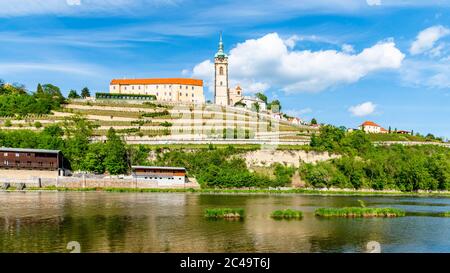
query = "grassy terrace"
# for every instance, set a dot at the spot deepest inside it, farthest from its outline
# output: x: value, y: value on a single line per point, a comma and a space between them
x: 287, y: 214
x: 120, y: 103
x: 224, y: 213
x: 359, y: 212
x: 397, y: 137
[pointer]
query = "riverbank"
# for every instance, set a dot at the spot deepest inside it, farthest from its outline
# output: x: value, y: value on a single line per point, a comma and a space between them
x: 322, y: 192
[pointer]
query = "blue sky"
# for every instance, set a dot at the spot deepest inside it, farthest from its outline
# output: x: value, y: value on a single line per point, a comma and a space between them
x: 342, y: 62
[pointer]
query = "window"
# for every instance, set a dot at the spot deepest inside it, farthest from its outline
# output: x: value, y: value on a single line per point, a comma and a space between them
x: 192, y: 94
x: 221, y: 70
x: 6, y: 162
x: 192, y: 88
x: 186, y: 87
x: 220, y: 83
x: 157, y: 87
x: 132, y: 87
x: 5, y: 154
x: 186, y: 94
x: 17, y: 163
x: 28, y: 154
x: 17, y: 154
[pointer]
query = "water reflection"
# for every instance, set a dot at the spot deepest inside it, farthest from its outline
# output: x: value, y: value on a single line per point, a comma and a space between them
x: 174, y: 222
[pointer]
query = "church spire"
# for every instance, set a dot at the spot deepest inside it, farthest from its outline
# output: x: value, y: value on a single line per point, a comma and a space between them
x: 220, y: 53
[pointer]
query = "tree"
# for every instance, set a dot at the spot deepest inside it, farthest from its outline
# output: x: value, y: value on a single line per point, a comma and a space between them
x: 275, y: 106
x: 73, y: 94
x: 85, y: 93
x: 313, y: 121
x: 256, y: 107
x: 262, y: 97
x: 78, y: 131
x: 389, y: 130
x: 94, y: 159
x: 39, y: 89
x: 116, y: 158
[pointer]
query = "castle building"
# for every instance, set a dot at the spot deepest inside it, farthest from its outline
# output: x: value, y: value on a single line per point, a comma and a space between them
x: 225, y: 96
x: 221, y: 95
x: 166, y: 89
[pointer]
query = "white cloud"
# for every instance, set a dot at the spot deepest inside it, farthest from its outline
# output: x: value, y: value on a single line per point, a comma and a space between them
x: 269, y: 60
x: 362, y: 109
x: 373, y: 2
x: 429, y: 74
x: 346, y: 48
x: 426, y: 39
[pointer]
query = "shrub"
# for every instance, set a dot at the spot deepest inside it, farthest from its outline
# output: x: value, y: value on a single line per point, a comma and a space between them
x: 359, y: 212
x: 37, y: 124
x: 287, y: 214
x: 224, y: 213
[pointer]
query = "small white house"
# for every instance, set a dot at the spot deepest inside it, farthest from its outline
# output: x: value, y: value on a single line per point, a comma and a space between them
x: 161, y: 175
x: 372, y: 127
x: 250, y: 101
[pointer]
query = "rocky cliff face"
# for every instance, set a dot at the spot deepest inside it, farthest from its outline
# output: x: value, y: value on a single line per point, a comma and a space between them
x: 292, y: 158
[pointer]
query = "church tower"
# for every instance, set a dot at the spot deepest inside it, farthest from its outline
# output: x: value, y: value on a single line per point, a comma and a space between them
x: 221, y: 96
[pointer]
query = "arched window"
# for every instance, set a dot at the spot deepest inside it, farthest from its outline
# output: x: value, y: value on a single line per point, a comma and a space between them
x: 221, y: 70
x: 220, y: 83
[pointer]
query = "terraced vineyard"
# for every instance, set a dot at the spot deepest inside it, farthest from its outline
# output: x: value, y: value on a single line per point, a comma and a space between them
x: 162, y: 123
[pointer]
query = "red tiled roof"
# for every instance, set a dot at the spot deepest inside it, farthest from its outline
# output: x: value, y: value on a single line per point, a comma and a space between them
x: 158, y: 81
x: 370, y: 123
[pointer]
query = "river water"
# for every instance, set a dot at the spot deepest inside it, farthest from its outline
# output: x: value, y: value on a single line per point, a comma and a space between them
x: 174, y: 222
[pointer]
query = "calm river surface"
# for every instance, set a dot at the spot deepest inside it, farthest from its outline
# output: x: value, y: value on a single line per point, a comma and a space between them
x: 174, y: 222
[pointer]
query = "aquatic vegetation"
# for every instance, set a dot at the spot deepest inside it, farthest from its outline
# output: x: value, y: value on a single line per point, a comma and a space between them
x: 359, y: 212
x: 447, y: 214
x: 287, y: 214
x: 224, y: 213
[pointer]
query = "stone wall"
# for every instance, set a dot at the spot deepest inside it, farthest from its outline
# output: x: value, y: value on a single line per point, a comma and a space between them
x: 80, y: 182
x: 26, y: 174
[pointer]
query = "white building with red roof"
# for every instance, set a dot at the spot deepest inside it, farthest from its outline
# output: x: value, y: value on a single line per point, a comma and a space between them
x: 372, y: 127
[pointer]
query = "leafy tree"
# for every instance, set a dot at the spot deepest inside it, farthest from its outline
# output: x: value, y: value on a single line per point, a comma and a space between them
x: 261, y: 96
x: 78, y: 131
x: 313, y: 121
x: 256, y: 107
x: 138, y: 155
x: 39, y: 89
x: 275, y: 106
x: 85, y: 93
x: 73, y: 94
x: 116, y: 161
x: 94, y: 160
